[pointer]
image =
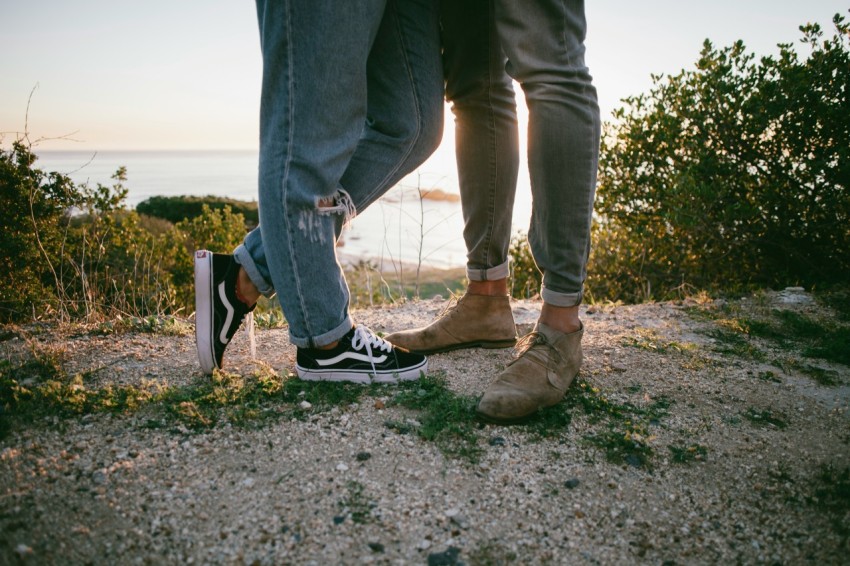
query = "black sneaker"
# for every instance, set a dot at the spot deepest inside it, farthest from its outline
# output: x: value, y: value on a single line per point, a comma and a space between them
x: 360, y: 357
x: 218, y: 312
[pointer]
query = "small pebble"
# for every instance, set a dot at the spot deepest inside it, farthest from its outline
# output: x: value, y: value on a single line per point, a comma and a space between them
x: 23, y: 550
x: 447, y: 558
x: 376, y: 547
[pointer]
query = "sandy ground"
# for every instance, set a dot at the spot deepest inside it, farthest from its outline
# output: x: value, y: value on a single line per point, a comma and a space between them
x: 340, y: 486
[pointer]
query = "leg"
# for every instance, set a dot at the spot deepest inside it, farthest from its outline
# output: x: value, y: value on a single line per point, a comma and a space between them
x: 308, y: 134
x: 488, y: 159
x: 310, y: 139
x: 402, y: 125
x: 544, y: 42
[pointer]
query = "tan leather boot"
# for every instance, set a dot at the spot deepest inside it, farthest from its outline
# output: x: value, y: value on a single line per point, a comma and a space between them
x: 547, y: 363
x: 474, y: 321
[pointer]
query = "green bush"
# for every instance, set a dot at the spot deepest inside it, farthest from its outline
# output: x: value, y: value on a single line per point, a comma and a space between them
x: 34, y: 209
x: 77, y: 253
x: 219, y: 230
x: 731, y: 175
x: 178, y: 208
x: 525, y: 278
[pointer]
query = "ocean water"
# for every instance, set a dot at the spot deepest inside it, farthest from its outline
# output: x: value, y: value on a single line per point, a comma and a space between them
x: 399, y: 227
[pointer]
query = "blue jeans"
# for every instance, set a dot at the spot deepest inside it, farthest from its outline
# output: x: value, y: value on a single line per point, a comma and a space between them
x: 352, y: 101
x: 540, y: 44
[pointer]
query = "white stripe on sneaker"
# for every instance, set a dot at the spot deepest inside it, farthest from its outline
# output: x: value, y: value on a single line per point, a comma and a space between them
x: 352, y: 356
x: 223, y: 334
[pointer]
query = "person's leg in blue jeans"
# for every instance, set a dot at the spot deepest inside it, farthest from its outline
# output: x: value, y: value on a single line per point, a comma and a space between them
x: 351, y: 102
x: 543, y: 42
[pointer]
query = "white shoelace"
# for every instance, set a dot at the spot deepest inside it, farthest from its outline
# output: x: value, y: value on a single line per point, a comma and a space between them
x: 365, y: 338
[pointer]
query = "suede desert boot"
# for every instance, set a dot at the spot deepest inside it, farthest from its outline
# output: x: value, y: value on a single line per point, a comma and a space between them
x: 547, y: 363
x: 474, y: 321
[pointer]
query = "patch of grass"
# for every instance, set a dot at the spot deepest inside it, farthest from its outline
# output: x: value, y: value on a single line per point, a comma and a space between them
x: 626, y: 438
x: 39, y: 386
x: 257, y: 398
x: 765, y: 417
x: 687, y: 454
x: 356, y: 504
x: 816, y: 339
x: 702, y: 313
x: 625, y: 444
x: 831, y: 494
x: 549, y: 422
x: 446, y: 418
x: 161, y: 325
x: 492, y: 553
x: 833, y: 347
x: 732, y: 343
x: 270, y: 319
x: 768, y: 376
x: 826, y: 377
x: 649, y: 340
x: 785, y: 329
x: 836, y: 299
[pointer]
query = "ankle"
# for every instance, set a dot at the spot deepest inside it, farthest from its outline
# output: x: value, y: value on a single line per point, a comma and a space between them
x: 246, y: 291
x: 495, y: 288
x: 562, y: 319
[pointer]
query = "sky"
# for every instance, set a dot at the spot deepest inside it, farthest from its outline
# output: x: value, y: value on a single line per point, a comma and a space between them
x: 185, y: 74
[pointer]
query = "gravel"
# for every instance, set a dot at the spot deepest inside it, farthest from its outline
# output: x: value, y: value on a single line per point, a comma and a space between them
x: 341, y: 487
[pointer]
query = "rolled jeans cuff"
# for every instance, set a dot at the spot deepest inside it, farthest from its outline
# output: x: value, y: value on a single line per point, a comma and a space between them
x: 324, y: 339
x: 488, y: 273
x: 243, y: 258
x: 558, y: 299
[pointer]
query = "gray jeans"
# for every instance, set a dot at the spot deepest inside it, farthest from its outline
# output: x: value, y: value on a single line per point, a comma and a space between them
x: 540, y: 44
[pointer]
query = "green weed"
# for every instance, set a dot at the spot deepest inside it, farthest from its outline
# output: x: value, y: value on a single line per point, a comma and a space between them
x: 446, y: 418
x: 687, y: 454
x: 356, y: 503
x: 733, y: 343
x: 765, y: 417
x: 628, y: 443
x: 831, y: 494
x: 647, y: 339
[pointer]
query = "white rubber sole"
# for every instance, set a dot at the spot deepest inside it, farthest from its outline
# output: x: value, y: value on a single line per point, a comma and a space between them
x: 204, y: 311
x: 363, y: 377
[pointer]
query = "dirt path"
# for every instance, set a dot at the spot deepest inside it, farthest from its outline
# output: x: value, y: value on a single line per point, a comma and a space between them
x: 686, y: 440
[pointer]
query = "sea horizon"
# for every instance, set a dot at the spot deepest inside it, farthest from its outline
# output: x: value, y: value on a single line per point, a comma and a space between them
x: 391, y: 230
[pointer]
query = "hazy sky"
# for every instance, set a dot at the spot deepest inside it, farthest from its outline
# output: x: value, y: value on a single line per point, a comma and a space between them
x: 184, y: 74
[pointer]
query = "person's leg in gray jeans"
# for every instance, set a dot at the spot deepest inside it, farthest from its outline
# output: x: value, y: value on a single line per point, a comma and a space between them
x: 543, y: 43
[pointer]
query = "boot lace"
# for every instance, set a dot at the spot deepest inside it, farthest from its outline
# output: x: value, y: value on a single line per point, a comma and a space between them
x: 526, y: 344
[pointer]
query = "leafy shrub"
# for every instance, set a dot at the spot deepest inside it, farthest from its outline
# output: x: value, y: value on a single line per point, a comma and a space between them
x: 525, y: 278
x: 220, y: 230
x: 734, y: 174
x: 77, y: 252
x: 178, y: 208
